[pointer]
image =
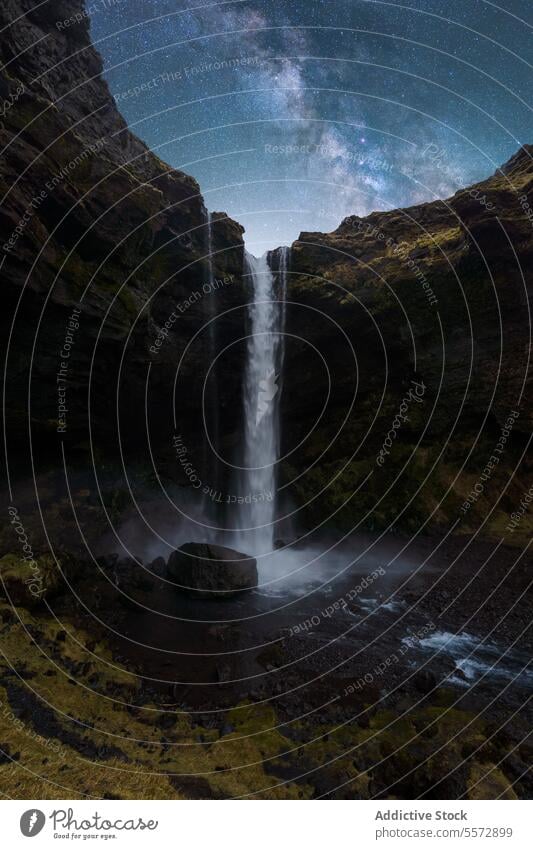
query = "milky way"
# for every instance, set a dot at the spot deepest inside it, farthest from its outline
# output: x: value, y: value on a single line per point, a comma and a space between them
x: 293, y: 114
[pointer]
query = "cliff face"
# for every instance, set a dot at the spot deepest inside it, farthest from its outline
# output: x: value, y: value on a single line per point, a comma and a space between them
x: 436, y: 294
x: 90, y: 219
x: 105, y: 285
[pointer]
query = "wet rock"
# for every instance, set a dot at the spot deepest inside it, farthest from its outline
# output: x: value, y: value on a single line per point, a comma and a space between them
x: 127, y: 574
x: 219, y: 632
x: 425, y: 681
x: 211, y: 571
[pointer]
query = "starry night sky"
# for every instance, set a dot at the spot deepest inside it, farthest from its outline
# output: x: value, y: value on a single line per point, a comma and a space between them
x: 318, y: 109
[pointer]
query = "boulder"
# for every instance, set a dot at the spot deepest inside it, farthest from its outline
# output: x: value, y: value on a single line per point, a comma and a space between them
x: 211, y: 571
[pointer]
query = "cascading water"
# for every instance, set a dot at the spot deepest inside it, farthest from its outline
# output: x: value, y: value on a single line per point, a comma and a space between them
x: 262, y: 389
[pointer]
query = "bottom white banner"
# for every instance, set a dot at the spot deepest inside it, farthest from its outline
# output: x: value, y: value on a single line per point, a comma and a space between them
x: 251, y: 825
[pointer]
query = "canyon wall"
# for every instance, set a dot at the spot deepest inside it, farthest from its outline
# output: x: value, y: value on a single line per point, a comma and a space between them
x: 436, y: 297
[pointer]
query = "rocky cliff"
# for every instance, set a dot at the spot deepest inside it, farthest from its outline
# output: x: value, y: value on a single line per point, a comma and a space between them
x: 407, y: 395
x: 103, y: 247
x: 435, y: 296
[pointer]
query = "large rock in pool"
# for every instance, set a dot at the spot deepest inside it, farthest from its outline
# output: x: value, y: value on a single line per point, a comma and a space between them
x: 211, y: 571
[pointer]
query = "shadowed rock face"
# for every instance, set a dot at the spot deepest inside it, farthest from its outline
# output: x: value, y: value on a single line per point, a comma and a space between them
x: 212, y: 571
x: 91, y: 218
x: 436, y: 293
x: 470, y: 355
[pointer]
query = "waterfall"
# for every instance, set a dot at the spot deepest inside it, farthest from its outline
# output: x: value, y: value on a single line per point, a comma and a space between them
x: 262, y: 389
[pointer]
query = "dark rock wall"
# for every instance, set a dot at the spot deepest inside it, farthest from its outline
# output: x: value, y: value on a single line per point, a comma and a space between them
x: 436, y: 293
x: 105, y: 225
x: 90, y: 218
